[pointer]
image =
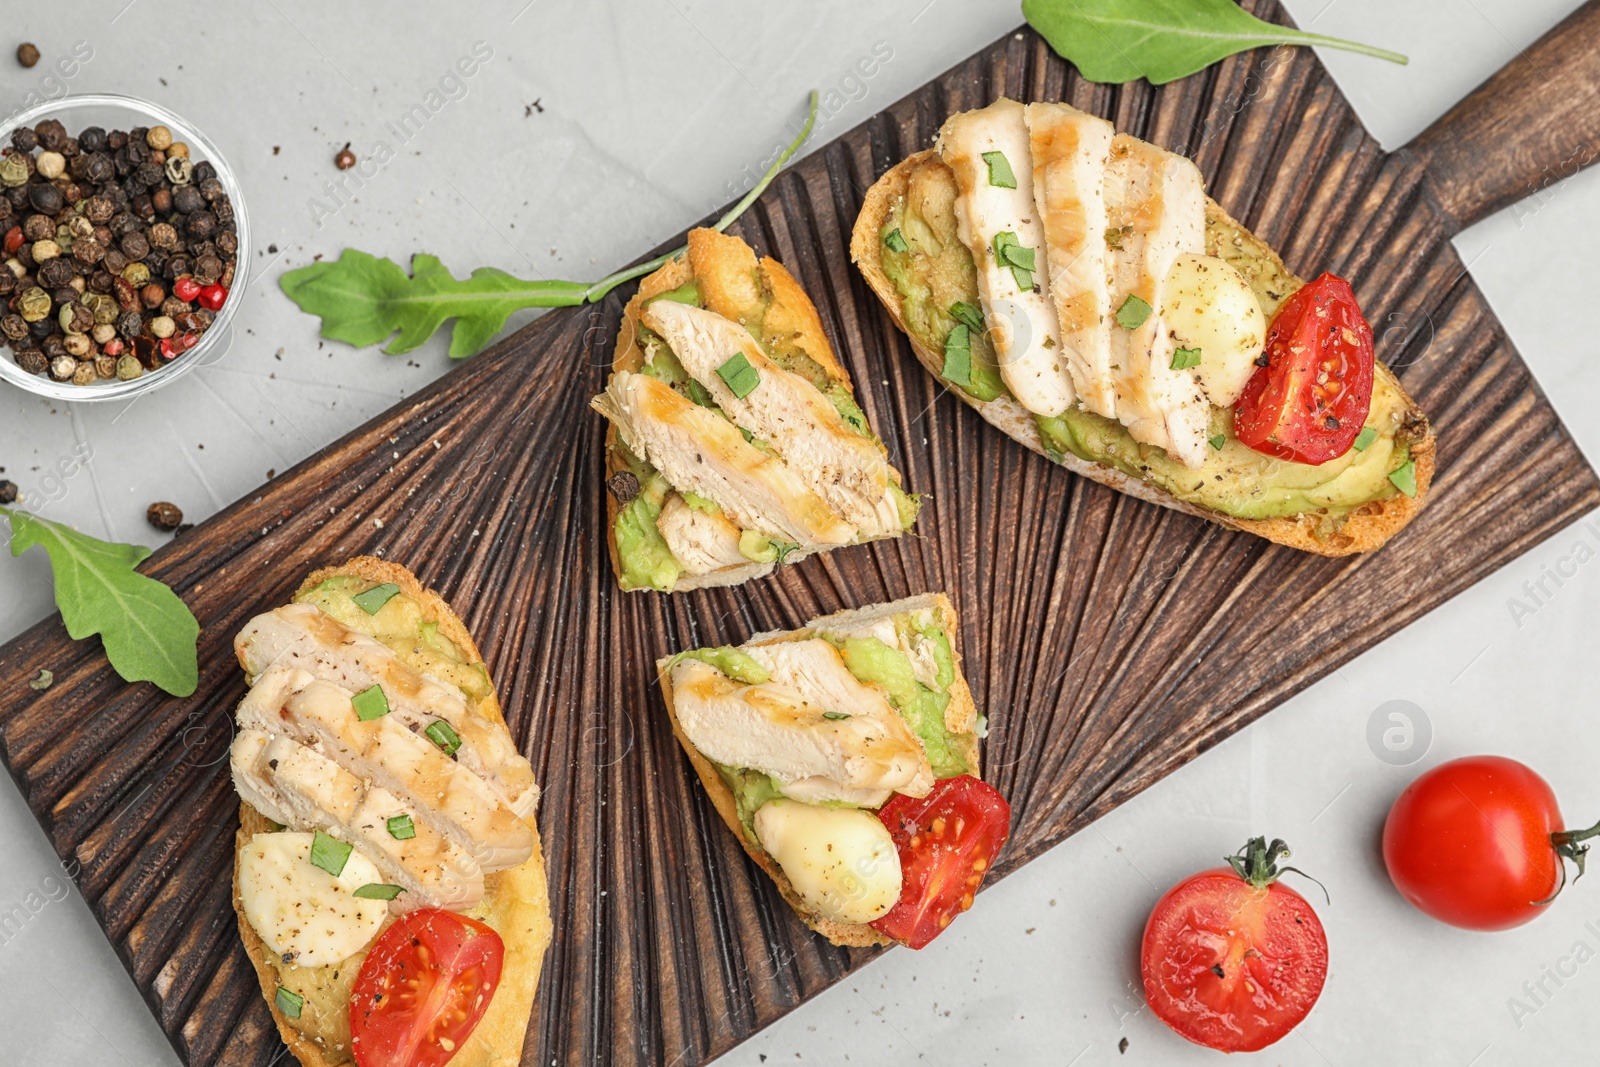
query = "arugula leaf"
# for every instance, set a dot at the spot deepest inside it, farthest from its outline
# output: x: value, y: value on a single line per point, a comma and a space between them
x: 149, y: 634
x: 1162, y: 40
x: 364, y: 300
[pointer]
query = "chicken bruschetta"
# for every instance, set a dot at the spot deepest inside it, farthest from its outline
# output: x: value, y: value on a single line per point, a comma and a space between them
x: 388, y: 879
x: 735, y: 443
x: 1079, y: 289
x: 844, y: 756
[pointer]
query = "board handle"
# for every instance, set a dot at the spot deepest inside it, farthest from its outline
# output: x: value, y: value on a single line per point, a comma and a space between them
x: 1529, y: 126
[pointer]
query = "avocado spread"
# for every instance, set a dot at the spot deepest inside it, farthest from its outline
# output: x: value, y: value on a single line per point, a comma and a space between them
x: 935, y: 274
x: 399, y: 625
x: 871, y: 662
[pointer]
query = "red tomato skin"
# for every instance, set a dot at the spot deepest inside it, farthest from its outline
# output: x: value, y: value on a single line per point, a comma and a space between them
x: 455, y: 946
x: 1279, y: 414
x: 1469, y: 843
x: 942, y: 866
x: 1278, y: 945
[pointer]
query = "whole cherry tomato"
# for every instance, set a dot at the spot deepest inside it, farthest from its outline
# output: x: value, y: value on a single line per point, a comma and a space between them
x: 1478, y: 843
x: 1310, y: 397
x: 1233, y: 959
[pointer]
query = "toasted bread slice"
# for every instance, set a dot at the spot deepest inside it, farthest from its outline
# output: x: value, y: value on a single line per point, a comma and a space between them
x: 1366, y: 528
x: 516, y: 902
x: 736, y: 285
x: 961, y: 716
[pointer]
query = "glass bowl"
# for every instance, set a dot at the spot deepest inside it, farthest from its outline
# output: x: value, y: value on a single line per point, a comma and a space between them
x: 124, y: 113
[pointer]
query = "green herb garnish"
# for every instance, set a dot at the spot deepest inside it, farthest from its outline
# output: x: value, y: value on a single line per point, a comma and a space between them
x: 288, y: 1002
x: 373, y: 600
x: 378, y: 891
x: 1218, y: 440
x: 967, y: 315
x: 834, y: 716
x: 401, y: 828
x: 1365, y: 438
x: 1404, y: 478
x: 1162, y: 40
x: 148, y: 633
x: 1010, y: 253
x: 1184, y: 358
x: 1000, y: 175
x: 364, y: 300
x: 370, y: 703
x: 1132, y: 313
x: 443, y: 735
x: 896, y: 241
x: 739, y: 376
x: 958, y: 356
x: 329, y: 853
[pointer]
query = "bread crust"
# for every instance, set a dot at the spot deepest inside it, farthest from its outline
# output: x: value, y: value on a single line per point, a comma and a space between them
x: 521, y: 892
x: 961, y: 710
x: 1366, y: 528
x: 722, y: 260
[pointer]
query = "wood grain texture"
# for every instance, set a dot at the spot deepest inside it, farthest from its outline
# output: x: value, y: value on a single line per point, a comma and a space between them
x: 1109, y: 641
x: 1528, y: 127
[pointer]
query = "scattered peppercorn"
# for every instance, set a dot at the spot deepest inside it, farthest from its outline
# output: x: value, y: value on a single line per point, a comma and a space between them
x: 121, y: 248
x: 27, y: 53
x: 8, y: 492
x: 164, y: 516
x: 346, y: 158
x: 624, y: 485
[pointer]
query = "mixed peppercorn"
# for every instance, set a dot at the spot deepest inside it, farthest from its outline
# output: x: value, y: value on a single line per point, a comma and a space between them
x: 118, y: 251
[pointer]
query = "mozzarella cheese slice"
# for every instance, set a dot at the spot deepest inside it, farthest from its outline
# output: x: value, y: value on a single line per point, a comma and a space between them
x: 1070, y: 149
x: 841, y: 861
x: 1155, y: 205
x: 305, y: 915
x: 1209, y: 308
x: 1021, y: 321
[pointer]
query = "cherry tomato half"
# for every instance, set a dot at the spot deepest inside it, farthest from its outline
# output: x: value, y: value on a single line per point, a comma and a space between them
x: 1477, y: 842
x: 1310, y: 399
x: 947, y: 842
x: 423, y: 989
x: 1232, y: 959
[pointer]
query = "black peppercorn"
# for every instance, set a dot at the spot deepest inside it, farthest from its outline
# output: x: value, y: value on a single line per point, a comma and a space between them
x: 8, y: 282
x: 46, y: 198
x: 156, y: 260
x: 52, y: 135
x: 8, y: 491
x: 134, y: 245
x: 55, y: 273
x: 143, y: 207
x: 207, y: 269
x: 116, y: 139
x: 211, y: 189
x: 6, y: 210
x: 114, y: 261
x: 162, y: 235
x: 204, y: 171
x: 123, y: 224
x: 100, y: 280
x: 161, y: 200
x: 24, y: 139
x: 98, y: 168
x: 624, y: 485
x: 130, y: 324
x: 187, y: 199
x: 53, y: 347
x: 147, y: 173
x: 13, y: 326
x: 64, y: 295
x: 223, y: 210
x: 227, y: 242
x: 41, y: 329
x: 32, y: 360
x: 164, y: 516
x: 92, y: 139
x: 201, y: 225
x: 87, y: 250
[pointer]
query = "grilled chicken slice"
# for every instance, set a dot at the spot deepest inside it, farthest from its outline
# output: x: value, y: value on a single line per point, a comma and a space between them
x: 1155, y: 202
x: 700, y: 541
x: 698, y: 450
x: 1070, y: 150
x: 782, y: 727
x: 302, y: 789
x: 846, y: 470
x: 384, y: 751
x: 1021, y: 321
x: 303, y: 637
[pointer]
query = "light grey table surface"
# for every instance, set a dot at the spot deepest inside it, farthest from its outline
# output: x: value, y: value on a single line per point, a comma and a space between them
x: 597, y: 130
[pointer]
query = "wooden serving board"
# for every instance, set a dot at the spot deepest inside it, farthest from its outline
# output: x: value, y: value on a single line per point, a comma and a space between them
x: 1108, y: 640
